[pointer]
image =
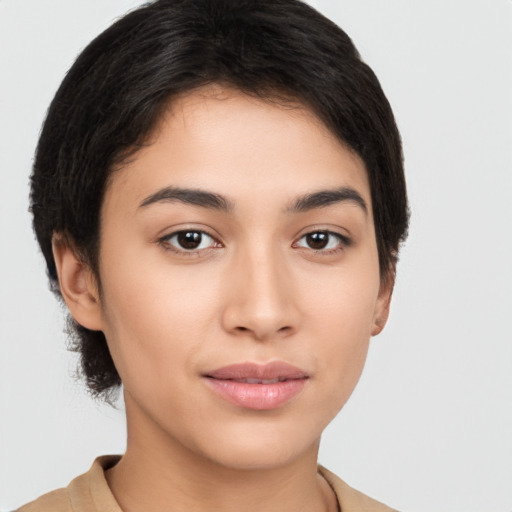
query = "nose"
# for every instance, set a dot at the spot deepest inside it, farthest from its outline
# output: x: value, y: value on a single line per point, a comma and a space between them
x: 262, y: 303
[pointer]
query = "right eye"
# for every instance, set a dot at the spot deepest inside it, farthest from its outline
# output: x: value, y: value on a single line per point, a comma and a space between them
x: 189, y: 240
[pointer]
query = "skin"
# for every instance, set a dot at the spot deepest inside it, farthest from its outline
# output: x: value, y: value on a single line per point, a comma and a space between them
x: 255, y: 290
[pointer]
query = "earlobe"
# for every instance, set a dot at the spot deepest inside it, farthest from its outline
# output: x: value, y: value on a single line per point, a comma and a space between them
x: 77, y: 285
x: 381, y: 315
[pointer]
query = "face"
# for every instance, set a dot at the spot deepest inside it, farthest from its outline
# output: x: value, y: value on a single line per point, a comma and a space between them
x: 239, y: 279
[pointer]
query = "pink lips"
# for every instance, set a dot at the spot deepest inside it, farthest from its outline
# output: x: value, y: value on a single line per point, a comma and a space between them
x: 255, y: 386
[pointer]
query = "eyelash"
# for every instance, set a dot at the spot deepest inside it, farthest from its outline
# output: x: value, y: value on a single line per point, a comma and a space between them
x: 342, y: 242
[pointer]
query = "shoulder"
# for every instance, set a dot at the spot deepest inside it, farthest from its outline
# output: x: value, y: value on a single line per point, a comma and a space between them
x: 350, y: 499
x: 86, y: 493
x: 55, y: 501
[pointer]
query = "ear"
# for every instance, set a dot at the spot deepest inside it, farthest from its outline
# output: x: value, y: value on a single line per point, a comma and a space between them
x: 77, y: 284
x: 383, y: 303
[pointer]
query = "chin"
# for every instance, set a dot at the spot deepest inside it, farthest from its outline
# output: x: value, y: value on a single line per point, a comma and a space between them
x: 259, y: 449
x: 250, y: 459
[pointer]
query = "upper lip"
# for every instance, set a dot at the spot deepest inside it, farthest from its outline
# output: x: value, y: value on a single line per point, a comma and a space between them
x: 249, y: 370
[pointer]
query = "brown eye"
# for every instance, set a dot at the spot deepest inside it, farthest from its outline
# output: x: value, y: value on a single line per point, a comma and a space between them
x: 189, y: 240
x: 323, y: 241
x: 318, y: 240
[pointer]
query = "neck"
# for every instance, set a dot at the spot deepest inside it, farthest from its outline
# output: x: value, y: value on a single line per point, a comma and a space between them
x: 158, y: 474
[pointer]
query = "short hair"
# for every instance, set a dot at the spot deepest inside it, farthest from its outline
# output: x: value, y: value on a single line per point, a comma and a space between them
x: 115, y: 92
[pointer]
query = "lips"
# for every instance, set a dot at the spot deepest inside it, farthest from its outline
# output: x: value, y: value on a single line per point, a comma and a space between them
x: 255, y: 386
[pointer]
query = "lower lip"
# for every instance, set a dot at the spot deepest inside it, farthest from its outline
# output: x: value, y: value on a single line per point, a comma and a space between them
x: 257, y: 396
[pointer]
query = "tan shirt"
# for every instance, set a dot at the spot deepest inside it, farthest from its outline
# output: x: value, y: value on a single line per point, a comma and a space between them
x: 90, y: 493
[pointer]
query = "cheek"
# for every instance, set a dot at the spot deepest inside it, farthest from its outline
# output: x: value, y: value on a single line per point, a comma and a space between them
x: 156, y: 320
x: 340, y: 317
x: 341, y: 301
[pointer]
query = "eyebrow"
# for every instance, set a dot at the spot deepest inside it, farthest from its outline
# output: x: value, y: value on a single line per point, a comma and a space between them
x: 191, y: 196
x: 211, y: 200
x: 324, y: 198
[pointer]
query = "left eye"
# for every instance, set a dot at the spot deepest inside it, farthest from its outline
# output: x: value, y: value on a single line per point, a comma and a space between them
x: 190, y: 240
x: 321, y: 240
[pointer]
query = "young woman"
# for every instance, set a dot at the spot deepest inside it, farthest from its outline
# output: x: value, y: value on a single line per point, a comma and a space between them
x: 218, y: 192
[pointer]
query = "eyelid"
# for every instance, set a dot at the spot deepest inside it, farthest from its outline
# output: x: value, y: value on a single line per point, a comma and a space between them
x: 333, y: 229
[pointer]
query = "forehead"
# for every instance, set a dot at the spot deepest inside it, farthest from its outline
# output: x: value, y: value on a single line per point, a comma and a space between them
x: 237, y: 145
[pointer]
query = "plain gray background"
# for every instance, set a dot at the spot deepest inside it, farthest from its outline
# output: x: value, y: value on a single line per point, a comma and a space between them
x: 429, y: 427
